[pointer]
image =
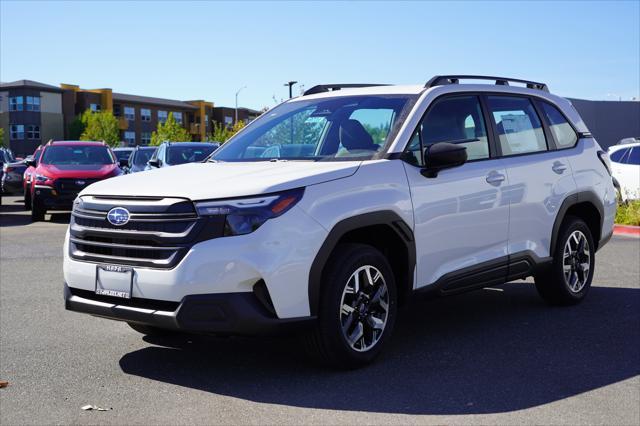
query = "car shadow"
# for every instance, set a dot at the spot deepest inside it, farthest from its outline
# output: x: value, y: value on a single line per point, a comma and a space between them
x: 7, y: 220
x: 484, y: 352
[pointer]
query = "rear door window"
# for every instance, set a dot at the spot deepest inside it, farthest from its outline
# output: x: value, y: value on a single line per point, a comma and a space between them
x: 518, y: 125
x: 562, y: 131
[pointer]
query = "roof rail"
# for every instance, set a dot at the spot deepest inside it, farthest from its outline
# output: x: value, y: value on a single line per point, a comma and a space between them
x: 321, y: 88
x: 439, y: 80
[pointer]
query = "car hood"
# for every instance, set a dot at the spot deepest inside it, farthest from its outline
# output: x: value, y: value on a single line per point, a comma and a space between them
x: 201, y: 181
x: 87, y: 171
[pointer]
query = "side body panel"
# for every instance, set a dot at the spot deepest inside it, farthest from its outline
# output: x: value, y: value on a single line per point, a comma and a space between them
x: 460, y: 219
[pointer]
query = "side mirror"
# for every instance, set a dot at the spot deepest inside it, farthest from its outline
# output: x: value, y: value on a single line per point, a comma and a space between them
x: 123, y: 163
x: 30, y: 162
x: 154, y: 163
x: 443, y: 155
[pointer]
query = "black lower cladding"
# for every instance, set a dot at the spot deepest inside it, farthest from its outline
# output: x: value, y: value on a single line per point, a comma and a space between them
x: 221, y: 313
x: 54, y: 200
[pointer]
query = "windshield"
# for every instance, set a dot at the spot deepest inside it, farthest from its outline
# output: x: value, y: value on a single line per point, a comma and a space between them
x: 77, y: 155
x: 177, y: 154
x: 122, y: 154
x: 346, y: 127
x: 141, y: 156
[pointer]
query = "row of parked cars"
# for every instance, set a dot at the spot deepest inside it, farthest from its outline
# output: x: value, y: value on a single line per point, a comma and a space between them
x: 52, y: 177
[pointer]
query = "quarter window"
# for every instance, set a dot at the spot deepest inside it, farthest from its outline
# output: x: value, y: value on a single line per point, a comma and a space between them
x: 16, y: 103
x: 145, y: 114
x: 33, y: 131
x: 130, y: 113
x: 130, y: 137
x: 33, y: 103
x: 634, y: 156
x: 562, y: 131
x: 519, y: 127
x: 619, y: 155
x: 17, y: 131
x: 455, y: 120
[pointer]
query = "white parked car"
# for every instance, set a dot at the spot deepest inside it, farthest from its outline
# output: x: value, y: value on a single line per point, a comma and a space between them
x: 329, y: 211
x: 625, y: 168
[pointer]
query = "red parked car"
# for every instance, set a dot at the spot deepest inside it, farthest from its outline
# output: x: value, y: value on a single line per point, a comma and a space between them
x: 26, y: 178
x: 64, y: 169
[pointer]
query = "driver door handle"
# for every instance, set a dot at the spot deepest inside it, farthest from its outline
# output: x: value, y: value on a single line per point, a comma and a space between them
x: 495, y: 178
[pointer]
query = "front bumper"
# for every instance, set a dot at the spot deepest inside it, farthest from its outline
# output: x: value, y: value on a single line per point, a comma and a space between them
x: 221, y: 313
x: 51, y: 199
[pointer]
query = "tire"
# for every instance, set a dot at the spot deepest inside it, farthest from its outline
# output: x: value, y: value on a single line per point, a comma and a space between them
x: 149, y: 330
x: 37, y: 211
x: 27, y: 201
x: 554, y: 285
x: 334, y: 340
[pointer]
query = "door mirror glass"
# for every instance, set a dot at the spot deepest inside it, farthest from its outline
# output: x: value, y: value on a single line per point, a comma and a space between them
x: 154, y: 162
x: 443, y: 155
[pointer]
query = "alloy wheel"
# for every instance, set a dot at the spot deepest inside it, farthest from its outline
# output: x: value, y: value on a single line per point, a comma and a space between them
x: 364, y: 308
x: 576, y: 261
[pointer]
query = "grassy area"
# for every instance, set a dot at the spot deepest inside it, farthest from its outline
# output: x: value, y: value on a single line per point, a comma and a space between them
x: 628, y: 213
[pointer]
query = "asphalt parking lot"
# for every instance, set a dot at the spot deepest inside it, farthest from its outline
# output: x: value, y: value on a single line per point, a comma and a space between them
x: 487, y: 357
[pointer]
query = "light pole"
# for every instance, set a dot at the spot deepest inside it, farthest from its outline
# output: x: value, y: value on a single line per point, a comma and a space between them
x: 237, y: 93
x: 290, y: 84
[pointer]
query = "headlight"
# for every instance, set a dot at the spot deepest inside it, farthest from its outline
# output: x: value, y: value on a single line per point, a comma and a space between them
x: 245, y: 215
x: 42, y: 179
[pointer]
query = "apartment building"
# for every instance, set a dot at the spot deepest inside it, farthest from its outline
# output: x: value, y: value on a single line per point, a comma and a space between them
x: 226, y: 115
x: 138, y: 116
x: 30, y: 113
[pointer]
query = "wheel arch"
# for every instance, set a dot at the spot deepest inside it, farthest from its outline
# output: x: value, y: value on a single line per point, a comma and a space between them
x: 587, y: 206
x: 386, y: 231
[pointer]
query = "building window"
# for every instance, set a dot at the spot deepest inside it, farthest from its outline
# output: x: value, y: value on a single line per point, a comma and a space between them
x: 33, y: 131
x: 33, y: 103
x: 162, y: 116
x: 145, y: 138
x: 130, y: 113
x: 95, y: 107
x: 17, y: 131
x: 130, y: 137
x: 178, y: 117
x: 16, y: 103
x: 145, y: 114
x: 228, y: 120
x: 116, y: 110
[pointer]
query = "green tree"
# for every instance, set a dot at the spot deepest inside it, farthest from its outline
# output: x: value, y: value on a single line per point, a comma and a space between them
x: 1, y: 136
x: 100, y: 126
x: 76, y: 128
x: 222, y: 133
x: 170, y: 130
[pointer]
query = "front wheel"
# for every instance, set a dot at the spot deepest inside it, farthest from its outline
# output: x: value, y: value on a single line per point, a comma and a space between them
x: 568, y: 280
x: 27, y: 201
x: 37, y: 210
x: 357, y: 309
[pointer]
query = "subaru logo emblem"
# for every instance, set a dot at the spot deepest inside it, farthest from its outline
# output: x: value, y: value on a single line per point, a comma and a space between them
x: 80, y: 182
x: 118, y: 216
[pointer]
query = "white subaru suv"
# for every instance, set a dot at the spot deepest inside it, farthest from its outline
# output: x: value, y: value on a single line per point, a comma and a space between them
x: 332, y: 209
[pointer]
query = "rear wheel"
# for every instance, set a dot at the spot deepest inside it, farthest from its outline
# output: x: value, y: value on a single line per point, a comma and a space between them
x: 37, y: 210
x: 357, y: 309
x: 568, y: 280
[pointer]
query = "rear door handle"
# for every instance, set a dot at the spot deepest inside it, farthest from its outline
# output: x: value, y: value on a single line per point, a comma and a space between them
x: 495, y: 178
x: 559, y: 167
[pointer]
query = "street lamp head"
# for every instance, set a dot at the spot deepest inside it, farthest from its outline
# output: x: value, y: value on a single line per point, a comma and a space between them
x: 290, y: 83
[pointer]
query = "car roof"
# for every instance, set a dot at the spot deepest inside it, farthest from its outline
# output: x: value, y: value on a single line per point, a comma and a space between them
x: 191, y: 143
x: 614, y: 148
x: 77, y: 143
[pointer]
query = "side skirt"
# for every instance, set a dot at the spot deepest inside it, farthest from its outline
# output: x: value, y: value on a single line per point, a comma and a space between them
x: 494, y: 272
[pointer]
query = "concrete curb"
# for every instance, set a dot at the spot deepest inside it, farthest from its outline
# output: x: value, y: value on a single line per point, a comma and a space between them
x: 626, y: 230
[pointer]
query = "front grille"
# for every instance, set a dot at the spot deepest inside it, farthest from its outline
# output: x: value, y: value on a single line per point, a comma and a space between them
x: 159, y: 233
x: 72, y: 186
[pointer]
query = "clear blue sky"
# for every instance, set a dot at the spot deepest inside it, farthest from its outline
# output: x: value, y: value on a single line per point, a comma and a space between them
x: 207, y: 50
